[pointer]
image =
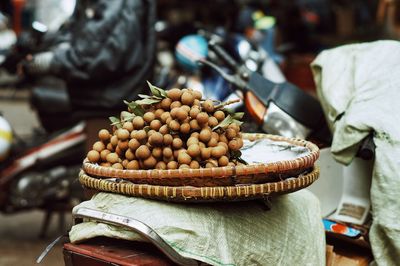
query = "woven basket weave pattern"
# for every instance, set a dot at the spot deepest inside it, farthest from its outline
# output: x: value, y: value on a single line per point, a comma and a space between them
x: 218, y: 176
x: 201, y: 194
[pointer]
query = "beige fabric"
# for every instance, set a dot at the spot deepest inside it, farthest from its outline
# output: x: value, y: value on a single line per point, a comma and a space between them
x: 359, y: 88
x: 239, y: 233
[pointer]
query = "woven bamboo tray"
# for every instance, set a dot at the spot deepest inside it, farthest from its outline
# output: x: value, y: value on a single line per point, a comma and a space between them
x: 218, y: 176
x: 201, y: 194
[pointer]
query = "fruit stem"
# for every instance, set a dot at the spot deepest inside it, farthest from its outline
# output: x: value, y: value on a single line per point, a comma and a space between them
x: 226, y: 103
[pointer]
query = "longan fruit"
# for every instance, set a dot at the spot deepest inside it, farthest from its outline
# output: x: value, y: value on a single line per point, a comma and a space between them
x: 112, y: 158
x: 117, y: 166
x: 212, y: 121
x: 174, y: 111
x: 174, y: 125
x: 157, y: 152
x: 186, y: 108
x: 161, y: 165
x: 140, y: 135
x: 197, y: 94
x: 212, y: 142
x: 218, y: 151
x: 187, y: 98
x: 158, y: 113
x: 197, y: 102
x: 169, y: 119
x: 231, y: 164
x: 223, y: 138
x: 103, y: 154
x: 193, y: 150
x: 150, y: 162
x: 234, y: 126
x: 172, y: 165
x: 156, y: 106
x: 148, y: 117
x: 191, y: 141
x: 194, y: 165
x: 104, y: 135
x: 219, y: 115
x: 143, y: 152
x: 168, y: 159
x: 93, y: 156
x: 133, y: 144
x: 166, y: 104
x: 230, y: 133
x: 176, y: 104
x: 114, y: 140
x: 194, y: 111
x: 164, y: 129
x: 165, y: 116
x: 223, y: 161
x: 208, y: 106
x: 176, y: 152
x: 177, y: 143
x: 194, y: 125
x: 205, y: 135
x: 195, y: 134
x: 205, y: 153
x: 184, y: 166
x: 181, y: 114
x: 168, y: 139
x: 98, y: 146
x: 123, y: 145
x: 214, y: 135
x: 118, y: 151
x: 128, y: 126
x: 129, y: 155
x: 123, y: 134
x: 210, y: 165
x: 233, y: 145
x: 133, y: 165
x: 185, y: 128
x: 155, y: 125
x: 138, y: 122
x: 174, y: 94
x: 223, y: 144
x: 110, y: 147
x: 202, y: 118
x: 125, y: 163
x: 167, y: 152
x: 105, y: 164
x: 150, y: 132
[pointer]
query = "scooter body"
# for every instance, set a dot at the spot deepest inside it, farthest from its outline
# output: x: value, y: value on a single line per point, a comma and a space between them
x: 44, y: 173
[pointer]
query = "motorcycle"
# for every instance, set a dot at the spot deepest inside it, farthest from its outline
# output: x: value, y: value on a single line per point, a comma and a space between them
x: 39, y: 171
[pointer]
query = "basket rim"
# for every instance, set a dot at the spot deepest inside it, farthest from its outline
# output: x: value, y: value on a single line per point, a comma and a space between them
x: 302, y: 162
x: 201, y: 194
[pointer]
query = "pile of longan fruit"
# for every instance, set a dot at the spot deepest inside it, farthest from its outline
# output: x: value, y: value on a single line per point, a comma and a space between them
x: 175, y: 133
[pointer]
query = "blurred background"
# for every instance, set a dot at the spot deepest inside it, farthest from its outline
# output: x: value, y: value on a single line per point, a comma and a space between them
x: 41, y: 101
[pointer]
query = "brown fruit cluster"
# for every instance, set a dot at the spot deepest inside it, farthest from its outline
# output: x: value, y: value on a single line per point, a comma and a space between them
x: 176, y: 132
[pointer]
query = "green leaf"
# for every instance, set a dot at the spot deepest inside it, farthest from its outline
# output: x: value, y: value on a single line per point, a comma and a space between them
x: 238, y: 116
x: 137, y: 109
x: 157, y: 91
x: 115, y: 121
x: 237, y: 122
x: 224, y: 123
x: 242, y: 161
x: 237, y: 155
x: 148, y: 101
x: 144, y: 96
x: 126, y: 116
